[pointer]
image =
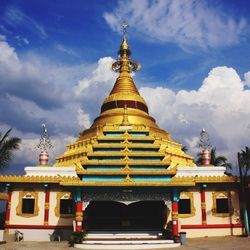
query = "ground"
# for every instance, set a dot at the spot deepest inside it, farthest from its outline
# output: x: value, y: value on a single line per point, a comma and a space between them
x: 222, y: 243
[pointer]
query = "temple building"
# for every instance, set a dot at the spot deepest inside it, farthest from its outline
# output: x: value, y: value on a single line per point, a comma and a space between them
x: 123, y: 174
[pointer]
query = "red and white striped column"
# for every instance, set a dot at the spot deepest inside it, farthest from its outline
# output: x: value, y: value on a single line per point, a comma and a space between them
x: 79, y: 216
x: 175, y: 212
x: 203, y: 207
x: 46, y: 206
x: 7, y: 217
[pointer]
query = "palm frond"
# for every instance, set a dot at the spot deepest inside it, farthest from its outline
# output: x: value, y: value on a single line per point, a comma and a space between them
x: 7, y: 146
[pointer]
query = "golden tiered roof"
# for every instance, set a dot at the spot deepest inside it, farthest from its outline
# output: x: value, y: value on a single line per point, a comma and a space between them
x: 124, y: 143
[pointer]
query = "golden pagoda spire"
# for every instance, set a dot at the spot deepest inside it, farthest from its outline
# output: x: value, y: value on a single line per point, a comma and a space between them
x: 124, y: 104
x: 124, y: 65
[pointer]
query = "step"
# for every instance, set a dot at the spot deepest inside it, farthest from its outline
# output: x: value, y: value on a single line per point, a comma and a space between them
x: 132, y: 242
x: 159, y: 244
x: 124, y: 235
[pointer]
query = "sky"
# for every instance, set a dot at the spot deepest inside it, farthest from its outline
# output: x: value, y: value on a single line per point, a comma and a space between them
x: 55, y: 59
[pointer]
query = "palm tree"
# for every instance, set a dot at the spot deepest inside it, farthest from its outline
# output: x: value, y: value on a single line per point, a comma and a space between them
x: 244, y: 166
x: 215, y: 160
x: 245, y: 161
x: 7, y: 146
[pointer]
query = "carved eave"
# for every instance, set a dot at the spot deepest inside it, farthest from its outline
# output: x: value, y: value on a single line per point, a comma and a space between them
x: 216, y: 179
x: 35, y: 179
x: 129, y: 162
x: 129, y: 154
x: 129, y: 182
x: 127, y: 170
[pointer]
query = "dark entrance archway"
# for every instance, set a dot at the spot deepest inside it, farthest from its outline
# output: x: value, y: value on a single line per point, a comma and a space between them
x: 111, y: 215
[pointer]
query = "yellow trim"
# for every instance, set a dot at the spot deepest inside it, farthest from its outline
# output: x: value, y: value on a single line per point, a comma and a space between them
x: 59, y: 196
x: 221, y: 195
x: 190, y: 196
x: 3, y: 196
x: 175, y: 181
x: 22, y: 195
x: 35, y: 179
x: 127, y: 170
x: 46, y: 206
x: 204, y: 179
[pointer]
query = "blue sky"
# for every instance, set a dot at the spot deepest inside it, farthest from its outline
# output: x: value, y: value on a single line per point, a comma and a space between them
x: 55, y: 61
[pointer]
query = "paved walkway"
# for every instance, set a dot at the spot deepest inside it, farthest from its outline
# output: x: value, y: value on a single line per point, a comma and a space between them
x: 212, y: 243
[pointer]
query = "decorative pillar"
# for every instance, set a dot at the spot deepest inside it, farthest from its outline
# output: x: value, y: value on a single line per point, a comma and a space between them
x: 7, y: 217
x: 205, y: 146
x: 46, y: 207
x: 205, y: 157
x: 175, y: 212
x: 79, y: 213
x: 44, y: 145
x: 203, y: 207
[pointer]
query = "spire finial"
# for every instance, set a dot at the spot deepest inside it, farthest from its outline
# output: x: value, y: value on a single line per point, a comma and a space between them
x: 124, y: 64
x: 125, y: 27
x: 204, y: 140
x: 43, y: 145
x: 125, y: 120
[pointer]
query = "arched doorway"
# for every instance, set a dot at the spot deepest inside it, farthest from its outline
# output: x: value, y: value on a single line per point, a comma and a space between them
x: 146, y: 215
x: 104, y: 215
x: 112, y: 215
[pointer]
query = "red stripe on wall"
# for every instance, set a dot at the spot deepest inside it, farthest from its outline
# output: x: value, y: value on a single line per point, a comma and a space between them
x: 211, y: 226
x: 39, y: 227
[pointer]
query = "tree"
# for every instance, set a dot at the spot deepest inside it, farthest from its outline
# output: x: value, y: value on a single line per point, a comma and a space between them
x: 245, y: 161
x: 7, y: 146
x: 215, y: 160
x: 244, y: 165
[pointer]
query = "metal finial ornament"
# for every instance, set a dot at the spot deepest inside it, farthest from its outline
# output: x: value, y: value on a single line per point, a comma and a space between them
x: 125, y: 27
x: 45, y: 142
x: 124, y: 63
x: 204, y: 140
x: 43, y: 145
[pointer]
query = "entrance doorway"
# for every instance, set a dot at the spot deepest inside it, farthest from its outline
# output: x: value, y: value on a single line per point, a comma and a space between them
x: 112, y: 215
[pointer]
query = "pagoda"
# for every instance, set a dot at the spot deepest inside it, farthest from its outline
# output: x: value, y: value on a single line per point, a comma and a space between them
x: 125, y: 174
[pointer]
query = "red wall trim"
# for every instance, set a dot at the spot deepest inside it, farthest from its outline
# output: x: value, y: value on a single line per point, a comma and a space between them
x: 211, y: 226
x: 38, y: 227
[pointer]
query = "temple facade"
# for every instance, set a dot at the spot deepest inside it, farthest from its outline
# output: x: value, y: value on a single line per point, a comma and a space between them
x: 124, y: 173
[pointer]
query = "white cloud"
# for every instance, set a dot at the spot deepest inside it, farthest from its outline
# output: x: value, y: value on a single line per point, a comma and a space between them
x: 102, y: 75
x: 83, y: 118
x: 247, y: 79
x: 22, y: 40
x: 221, y: 105
x: 187, y: 23
x: 34, y: 90
x: 66, y: 50
x: 17, y: 18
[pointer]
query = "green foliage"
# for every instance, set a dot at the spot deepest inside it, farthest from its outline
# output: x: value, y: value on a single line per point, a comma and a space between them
x: 245, y: 161
x: 7, y: 146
